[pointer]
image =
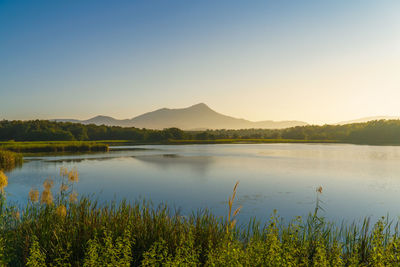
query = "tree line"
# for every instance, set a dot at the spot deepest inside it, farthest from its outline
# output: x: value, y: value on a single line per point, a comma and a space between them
x: 43, y: 130
x: 373, y: 132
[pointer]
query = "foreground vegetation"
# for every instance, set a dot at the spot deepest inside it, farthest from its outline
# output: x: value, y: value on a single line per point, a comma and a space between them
x: 383, y: 132
x: 64, y: 231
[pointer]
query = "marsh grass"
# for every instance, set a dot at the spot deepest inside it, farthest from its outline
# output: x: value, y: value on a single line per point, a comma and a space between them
x: 9, y: 160
x: 87, y: 233
x: 56, y: 146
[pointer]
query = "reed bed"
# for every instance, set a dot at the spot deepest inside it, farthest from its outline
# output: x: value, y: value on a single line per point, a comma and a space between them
x: 69, y: 232
x: 9, y: 160
x: 65, y: 146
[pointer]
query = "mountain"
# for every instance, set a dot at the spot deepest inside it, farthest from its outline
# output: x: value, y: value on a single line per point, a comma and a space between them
x: 196, y: 117
x: 366, y: 119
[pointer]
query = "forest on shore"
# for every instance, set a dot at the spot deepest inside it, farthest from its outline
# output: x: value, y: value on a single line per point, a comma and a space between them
x: 385, y: 132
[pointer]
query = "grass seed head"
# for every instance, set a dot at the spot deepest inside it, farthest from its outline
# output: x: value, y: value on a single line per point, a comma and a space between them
x: 73, y: 176
x: 319, y: 189
x: 48, y: 184
x: 3, y: 181
x: 34, y: 195
x: 61, y: 211
x: 47, y: 197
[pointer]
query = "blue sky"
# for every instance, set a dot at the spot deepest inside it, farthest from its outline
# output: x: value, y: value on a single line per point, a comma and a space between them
x: 317, y: 61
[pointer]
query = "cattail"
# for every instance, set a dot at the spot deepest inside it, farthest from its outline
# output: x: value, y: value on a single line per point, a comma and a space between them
x: 48, y: 184
x: 73, y: 197
x: 73, y: 176
x: 47, y: 197
x: 3, y: 181
x: 61, y: 211
x: 34, y: 195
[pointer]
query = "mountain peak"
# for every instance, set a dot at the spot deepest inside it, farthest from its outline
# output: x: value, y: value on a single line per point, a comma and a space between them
x: 200, y: 105
x: 198, y: 116
x: 101, y: 117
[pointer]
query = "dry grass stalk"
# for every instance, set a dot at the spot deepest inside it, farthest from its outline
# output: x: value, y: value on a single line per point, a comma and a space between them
x: 47, y: 197
x: 231, y: 221
x: 48, y: 184
x: 34, y: 195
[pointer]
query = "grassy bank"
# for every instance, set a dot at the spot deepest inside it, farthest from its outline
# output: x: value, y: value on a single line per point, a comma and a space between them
x: 66, y: 232
x: 103, y: 145
x: 56, y: 146
x: 9, y: 160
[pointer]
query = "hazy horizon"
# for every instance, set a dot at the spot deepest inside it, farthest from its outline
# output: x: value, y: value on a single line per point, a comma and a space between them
x: 313, y: 61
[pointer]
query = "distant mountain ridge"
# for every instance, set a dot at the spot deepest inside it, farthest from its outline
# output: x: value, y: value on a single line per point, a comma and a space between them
x: 196, y: 117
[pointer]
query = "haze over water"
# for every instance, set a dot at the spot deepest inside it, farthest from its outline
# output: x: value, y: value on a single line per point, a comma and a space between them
x: 357, y: 181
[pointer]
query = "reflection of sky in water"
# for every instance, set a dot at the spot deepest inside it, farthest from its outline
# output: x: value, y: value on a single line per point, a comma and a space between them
x: 357, y: 180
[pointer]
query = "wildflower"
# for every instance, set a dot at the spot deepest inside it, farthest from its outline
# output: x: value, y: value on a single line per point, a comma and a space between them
x: 3, y: 181
x: 34, y: 195
x: 48, y: 184
x: 73, y: 176
x: 61, y: 211
x: 73, y: 197
x: 63, y: 187
x: 47, y: 197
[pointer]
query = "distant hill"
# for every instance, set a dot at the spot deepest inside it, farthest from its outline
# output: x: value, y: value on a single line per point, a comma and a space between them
x: 366, y: 119
x: 196, y: 117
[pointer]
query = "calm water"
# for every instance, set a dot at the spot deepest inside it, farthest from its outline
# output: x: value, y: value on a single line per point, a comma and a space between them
x: 357, y: 181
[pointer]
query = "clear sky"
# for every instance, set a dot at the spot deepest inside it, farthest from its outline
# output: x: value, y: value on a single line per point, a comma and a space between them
x: 316, y: 61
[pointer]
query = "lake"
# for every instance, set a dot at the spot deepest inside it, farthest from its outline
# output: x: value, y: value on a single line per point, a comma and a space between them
x: 357, y: 180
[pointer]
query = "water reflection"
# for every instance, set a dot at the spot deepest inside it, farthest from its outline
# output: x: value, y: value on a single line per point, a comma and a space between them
x: 357, y: 180
x: 198, y: 165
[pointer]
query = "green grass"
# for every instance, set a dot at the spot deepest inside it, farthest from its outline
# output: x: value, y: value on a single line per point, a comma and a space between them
x: 140, y: 234
x: 9, y: 160
x: 56, y: 146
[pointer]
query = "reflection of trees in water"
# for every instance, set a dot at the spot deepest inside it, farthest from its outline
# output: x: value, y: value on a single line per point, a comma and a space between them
x: 78, y: 160
x: 196, y: 164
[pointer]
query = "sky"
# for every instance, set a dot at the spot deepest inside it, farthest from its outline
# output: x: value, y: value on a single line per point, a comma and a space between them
x: 314, y: 61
